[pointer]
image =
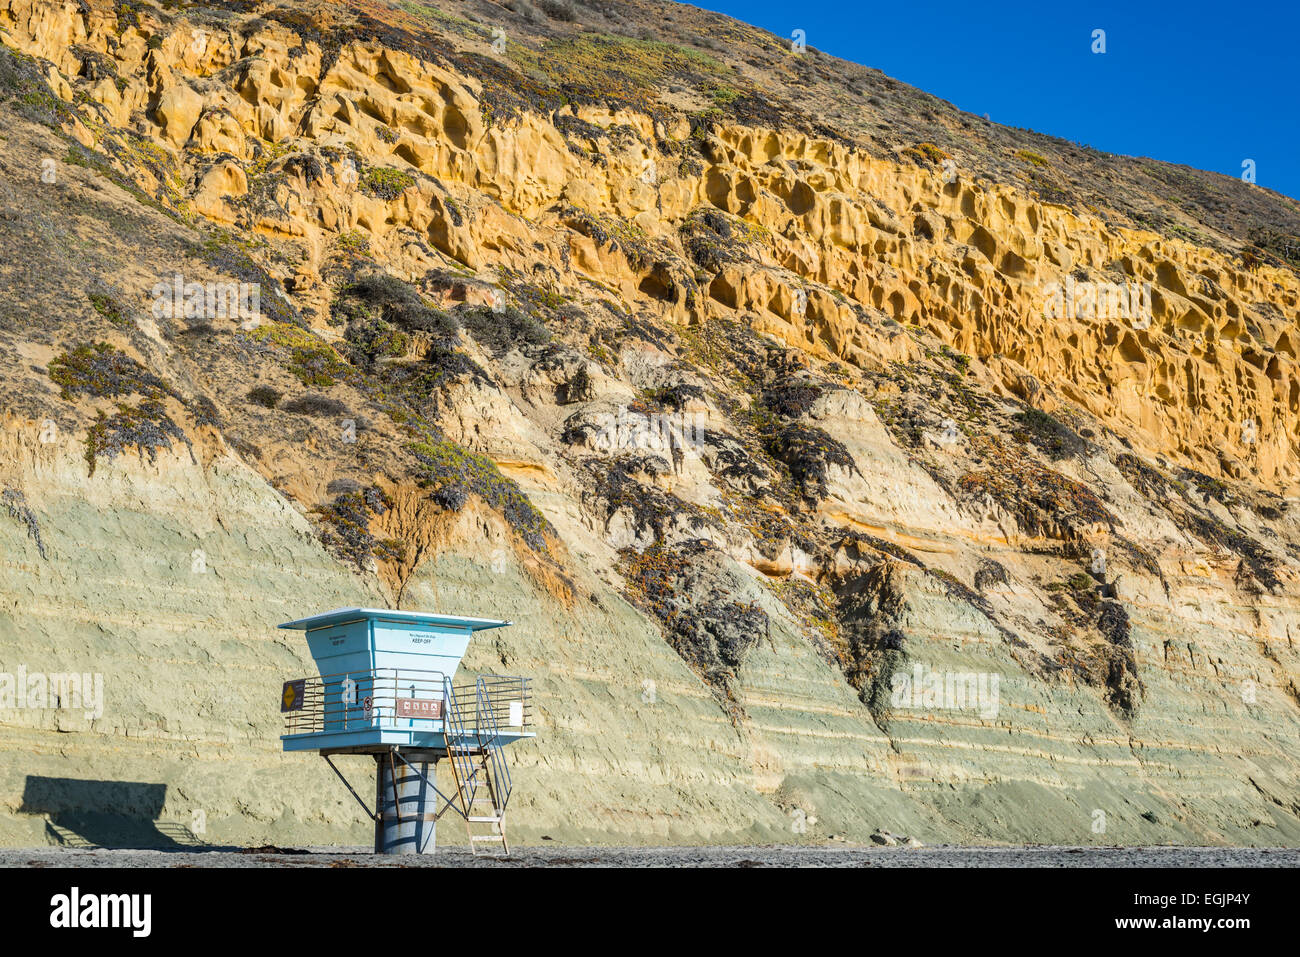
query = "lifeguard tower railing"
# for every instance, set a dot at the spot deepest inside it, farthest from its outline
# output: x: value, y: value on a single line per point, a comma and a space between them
x: 468, y: 714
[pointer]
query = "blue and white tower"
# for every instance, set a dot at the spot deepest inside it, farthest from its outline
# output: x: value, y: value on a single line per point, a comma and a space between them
x: 387, y: 688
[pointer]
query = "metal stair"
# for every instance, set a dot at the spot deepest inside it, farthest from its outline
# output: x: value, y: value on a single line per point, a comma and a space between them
x: 478, y: 764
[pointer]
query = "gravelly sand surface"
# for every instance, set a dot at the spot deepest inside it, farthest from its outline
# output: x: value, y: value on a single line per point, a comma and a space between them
x: 758, y: 856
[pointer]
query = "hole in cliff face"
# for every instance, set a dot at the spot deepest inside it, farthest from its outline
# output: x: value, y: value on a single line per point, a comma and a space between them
x: 389, y: 79
x: 802, y: 199
x: 1013, y: 265
x: 405, y: 152
x: 722, y: 291
x: 370, y: 108
x: 1255, y: 358
x: 456, y: 127
x: 1167, y: 276
x: 983, y: 240
x: 897, y: 305
x: 718, y: 190
x: 1130, y: 350
x: 1194, y: 322
x: 656, y: 285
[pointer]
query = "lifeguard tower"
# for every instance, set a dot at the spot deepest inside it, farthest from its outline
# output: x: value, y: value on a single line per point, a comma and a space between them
x: 387, y: 688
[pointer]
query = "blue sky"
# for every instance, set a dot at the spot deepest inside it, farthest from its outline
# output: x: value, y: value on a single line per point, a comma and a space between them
x: 1204, y: 84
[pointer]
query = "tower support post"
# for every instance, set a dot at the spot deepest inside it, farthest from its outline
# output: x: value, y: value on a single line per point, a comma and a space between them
x: 405, y: 802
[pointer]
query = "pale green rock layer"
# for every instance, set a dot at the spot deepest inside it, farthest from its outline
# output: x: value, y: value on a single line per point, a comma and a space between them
x: 632, y: 747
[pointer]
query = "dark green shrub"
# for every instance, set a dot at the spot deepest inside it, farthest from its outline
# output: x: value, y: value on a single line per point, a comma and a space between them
x: 499, y: 332
x: 453, y: 473
x: 315, y: 405
x: 345, y: 527
x: 108, y: 302
x: 15, y: 503
x: 395, y: 302
x: 312, y: 360
x: 386, y: 183
x: 205, y: 413
x: 808, y: 453
x: 372, y: 339
x: 99, y: 370
x: 1048, y: 433
x: 265, y: 396
x: 146, y: 426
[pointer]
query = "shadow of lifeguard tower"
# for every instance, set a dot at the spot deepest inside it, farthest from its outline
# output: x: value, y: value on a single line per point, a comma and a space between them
x: 87, y: 812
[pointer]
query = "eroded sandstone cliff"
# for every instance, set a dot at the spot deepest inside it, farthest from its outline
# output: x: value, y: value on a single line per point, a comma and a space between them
x: 760, y: 391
